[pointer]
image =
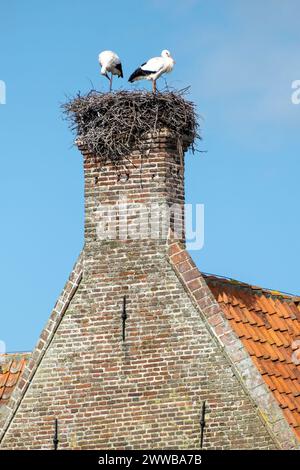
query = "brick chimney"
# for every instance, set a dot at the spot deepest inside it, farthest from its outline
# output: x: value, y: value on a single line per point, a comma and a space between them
x: 128, y: 356
x: 147, y: 183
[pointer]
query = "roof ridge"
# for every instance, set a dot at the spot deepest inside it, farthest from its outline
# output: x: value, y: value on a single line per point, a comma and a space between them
x: 237, y: 283
x: 15, y: 353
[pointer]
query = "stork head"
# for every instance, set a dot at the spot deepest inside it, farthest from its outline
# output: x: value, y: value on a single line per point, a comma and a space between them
x: 166, y: 53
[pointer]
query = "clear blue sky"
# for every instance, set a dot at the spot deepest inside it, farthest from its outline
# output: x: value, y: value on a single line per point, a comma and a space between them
x: 240, y: 59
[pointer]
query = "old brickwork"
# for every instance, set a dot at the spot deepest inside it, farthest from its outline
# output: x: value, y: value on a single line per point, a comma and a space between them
x: 146, y: 392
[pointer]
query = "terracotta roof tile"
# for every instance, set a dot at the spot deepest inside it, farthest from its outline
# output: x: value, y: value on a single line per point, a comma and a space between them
x: 237, y: 313
x: 11, y: 368
x: 293, y: 386
x: 267, y: 322
x: 287, y: 402
x: 284, y: 338
x: 269, y: 381
x: 251, y: 316
x: 269, y: 307
x: 292, y: 418
x: 277, y: 323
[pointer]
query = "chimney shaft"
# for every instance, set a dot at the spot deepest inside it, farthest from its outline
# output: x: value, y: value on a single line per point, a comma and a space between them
x: 141, y: 198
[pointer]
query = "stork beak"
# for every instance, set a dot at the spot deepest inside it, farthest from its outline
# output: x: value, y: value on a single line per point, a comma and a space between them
x: 105, y: 75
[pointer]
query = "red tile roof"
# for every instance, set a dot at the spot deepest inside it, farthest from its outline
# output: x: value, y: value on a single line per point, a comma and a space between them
x: 11, y: 367
x: 268, y: 324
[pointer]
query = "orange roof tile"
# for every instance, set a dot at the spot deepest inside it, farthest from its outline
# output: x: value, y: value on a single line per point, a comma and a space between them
x: 11, y: 368
x: 267, y: 322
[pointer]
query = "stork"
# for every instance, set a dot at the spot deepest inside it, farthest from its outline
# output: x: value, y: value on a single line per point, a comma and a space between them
x: 110, y: 62
x: 153, y: 69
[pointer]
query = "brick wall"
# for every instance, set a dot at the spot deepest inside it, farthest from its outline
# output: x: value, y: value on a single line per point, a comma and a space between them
x: 151, y: 178
x: 145, y: 392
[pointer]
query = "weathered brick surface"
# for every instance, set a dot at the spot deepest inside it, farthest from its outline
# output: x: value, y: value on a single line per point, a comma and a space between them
x: 146, y: 392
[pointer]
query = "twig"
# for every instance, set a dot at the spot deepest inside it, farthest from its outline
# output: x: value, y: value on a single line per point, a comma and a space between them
x: 110, y: 125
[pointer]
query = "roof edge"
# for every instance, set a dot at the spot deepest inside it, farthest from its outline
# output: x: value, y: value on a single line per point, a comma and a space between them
x: 257, y: 289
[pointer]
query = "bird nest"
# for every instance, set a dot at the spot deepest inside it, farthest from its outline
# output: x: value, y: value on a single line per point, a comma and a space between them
x: 111, y: 125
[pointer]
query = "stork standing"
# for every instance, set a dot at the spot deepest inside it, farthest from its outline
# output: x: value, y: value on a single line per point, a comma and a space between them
x: 110, y: 62
x: 154, y: 68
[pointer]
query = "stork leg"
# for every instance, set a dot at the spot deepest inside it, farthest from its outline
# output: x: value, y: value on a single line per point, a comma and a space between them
x: 110, y: 82
x: 154, y: 86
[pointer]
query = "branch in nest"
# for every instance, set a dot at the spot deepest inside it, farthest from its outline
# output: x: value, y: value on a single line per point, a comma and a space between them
x: 111, y: 125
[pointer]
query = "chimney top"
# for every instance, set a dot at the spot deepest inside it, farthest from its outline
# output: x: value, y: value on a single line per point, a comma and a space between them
x: 111, y: 125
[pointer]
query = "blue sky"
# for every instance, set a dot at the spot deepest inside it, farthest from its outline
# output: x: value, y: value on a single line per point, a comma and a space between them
x: 240, y: 59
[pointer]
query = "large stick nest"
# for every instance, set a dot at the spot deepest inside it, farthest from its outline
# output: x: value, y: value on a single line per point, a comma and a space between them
x: 111, y: 125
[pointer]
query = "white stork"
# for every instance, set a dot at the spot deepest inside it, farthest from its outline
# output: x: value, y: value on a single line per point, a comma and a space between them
x: 154, y: 68
x: 110, y: 62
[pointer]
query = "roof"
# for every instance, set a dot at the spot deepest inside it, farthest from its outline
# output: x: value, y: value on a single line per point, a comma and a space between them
x: 11, y: 367
x: 268, y: 324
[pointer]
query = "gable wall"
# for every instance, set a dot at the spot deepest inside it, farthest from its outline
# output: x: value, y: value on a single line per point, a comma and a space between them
x: 146, y: 393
